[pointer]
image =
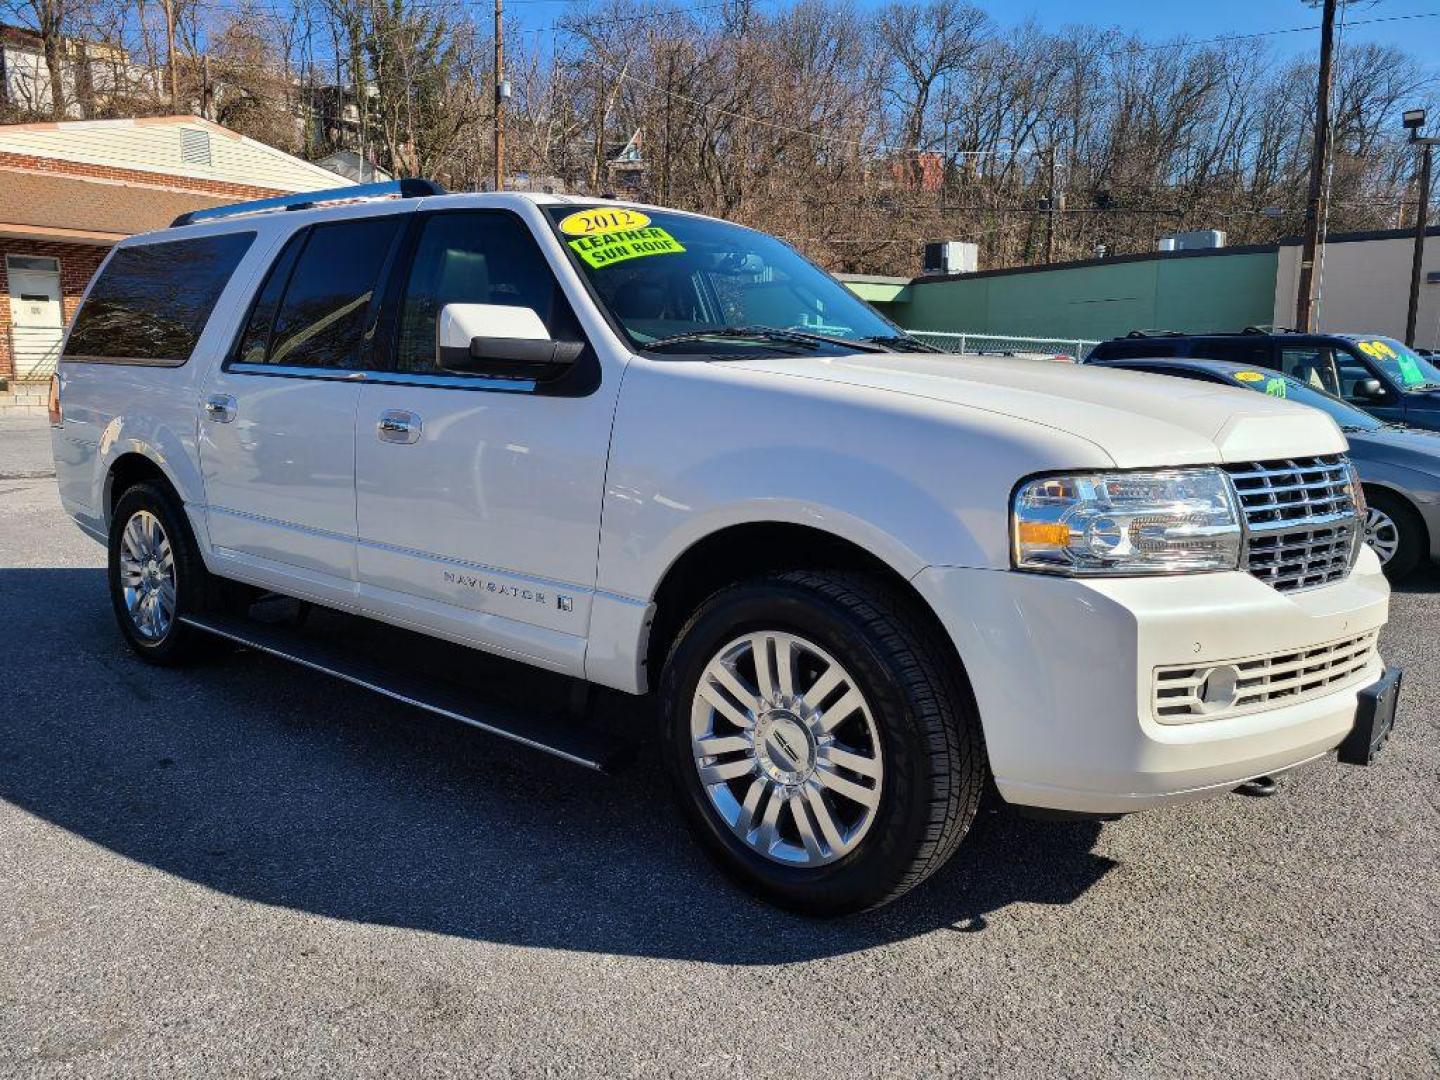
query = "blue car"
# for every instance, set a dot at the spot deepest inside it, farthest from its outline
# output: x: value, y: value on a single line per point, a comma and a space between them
x: 1399, y: 466
x: 1372, y: 372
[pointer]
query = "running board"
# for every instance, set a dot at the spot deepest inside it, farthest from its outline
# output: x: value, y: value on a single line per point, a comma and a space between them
x: 568, y: 740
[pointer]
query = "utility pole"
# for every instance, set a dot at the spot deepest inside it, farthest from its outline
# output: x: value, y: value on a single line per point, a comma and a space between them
x: 669, y: 97
x: 502, y: 91
x: 1050, y: 211
x: 1315, y: 202
x: 1414, y: 121
x: 170, y: 55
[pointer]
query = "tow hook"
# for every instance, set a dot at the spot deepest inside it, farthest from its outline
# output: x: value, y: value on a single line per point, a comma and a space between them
x: 1262, y: 787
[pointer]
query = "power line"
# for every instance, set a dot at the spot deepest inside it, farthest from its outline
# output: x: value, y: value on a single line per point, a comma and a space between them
x: 1186, y: 44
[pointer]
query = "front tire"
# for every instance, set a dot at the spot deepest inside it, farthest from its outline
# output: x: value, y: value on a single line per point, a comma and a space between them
x: 823, y: 744
x: 156, y: 576
x: 1395, y: 531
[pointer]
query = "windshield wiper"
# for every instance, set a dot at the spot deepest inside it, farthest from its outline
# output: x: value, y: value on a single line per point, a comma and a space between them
x: 800, y: 338
x: 753, y: 333
x: 903, y: 343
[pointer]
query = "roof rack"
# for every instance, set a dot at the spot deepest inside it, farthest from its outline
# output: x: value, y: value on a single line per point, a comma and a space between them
x: 1154, y: 333
x: 408, y: 188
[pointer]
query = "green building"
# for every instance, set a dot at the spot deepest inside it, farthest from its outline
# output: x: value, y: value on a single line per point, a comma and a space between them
x: 1217, y: 289
x: 1362, y: 286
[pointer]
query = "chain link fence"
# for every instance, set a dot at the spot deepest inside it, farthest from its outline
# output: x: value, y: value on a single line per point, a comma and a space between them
x: 1004, y: 343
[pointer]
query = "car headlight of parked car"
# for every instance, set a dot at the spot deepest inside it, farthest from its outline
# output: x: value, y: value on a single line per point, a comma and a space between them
x: 1165, y: 521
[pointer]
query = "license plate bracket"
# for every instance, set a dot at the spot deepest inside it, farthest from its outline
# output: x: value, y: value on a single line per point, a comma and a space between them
x: 1374, y: 720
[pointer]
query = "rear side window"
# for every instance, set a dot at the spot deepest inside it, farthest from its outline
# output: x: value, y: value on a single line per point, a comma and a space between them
x: 151, y: 301
x: 1254, y: 352
x: 1134, y: 348
x: 313, y: 309
x: 1174, y: 372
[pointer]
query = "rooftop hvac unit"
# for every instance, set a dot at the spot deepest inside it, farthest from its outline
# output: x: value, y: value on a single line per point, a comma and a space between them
x: 951, y: 257
x: 1193, y: 241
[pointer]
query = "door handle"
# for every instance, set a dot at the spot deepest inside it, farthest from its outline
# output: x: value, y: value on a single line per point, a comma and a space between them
x: 220, y: 408
x: 399, y: 426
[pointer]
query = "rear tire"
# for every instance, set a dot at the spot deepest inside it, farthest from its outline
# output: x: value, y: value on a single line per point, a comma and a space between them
x: 157, y: 576
x: 1393, y: 527
x: 823, y: 799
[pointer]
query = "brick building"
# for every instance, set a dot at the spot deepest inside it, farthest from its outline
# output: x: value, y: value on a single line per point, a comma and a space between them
x: 70, y: 190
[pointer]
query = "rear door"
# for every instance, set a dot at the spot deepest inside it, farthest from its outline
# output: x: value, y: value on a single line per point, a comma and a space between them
x: 277, y: 427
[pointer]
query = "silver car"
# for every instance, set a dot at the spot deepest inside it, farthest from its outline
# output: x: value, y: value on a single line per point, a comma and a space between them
x: 1399, y: 466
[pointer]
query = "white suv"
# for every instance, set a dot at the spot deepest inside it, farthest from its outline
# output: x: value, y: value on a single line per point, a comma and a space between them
x: 664, y: 454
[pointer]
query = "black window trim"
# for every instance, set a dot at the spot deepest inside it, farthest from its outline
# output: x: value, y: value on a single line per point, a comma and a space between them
x: 232, y: 364
x: 382, y: 321
x: 151, y: 361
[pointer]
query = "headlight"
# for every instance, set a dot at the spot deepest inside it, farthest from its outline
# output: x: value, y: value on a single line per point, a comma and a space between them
x: 1163, y: 522
x: 1356, y: 491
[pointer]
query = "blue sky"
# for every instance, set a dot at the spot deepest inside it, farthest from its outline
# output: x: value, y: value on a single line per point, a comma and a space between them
x: 1162, y: 20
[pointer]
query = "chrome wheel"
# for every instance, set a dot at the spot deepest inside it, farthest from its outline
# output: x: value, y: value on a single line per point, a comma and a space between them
x: 1382, y: 534
x: 147, y: 575
x: 786, y: 748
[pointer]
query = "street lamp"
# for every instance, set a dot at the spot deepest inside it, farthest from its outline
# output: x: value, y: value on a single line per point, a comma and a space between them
x: 1414, y: 120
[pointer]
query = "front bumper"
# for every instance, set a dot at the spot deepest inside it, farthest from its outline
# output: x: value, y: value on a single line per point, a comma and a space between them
x: 1062, y: 670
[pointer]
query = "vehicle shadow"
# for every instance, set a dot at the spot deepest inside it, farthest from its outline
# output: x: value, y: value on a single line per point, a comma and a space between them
x: 1423, y: 579
x: 270, y: 783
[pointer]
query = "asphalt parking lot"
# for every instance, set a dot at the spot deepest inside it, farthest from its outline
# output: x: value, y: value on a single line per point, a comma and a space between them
x: 245, y: 869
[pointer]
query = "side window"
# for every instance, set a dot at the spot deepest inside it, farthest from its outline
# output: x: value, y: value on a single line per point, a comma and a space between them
x: 255, y: 341
x: 1174, y: 372
x: 152, y: 301
x: 1353, y: 371
x: 320, y: 322
x: 475, y: 257
x: 1256, y: 353
x: 1314, y: 365
x: 1135, y: 349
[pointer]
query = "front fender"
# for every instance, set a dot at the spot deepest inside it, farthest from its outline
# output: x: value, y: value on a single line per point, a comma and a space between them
x: 701, y: 447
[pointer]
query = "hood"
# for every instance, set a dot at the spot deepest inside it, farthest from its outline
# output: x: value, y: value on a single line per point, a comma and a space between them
x: 1413, y: 448
x: 1137, y: 419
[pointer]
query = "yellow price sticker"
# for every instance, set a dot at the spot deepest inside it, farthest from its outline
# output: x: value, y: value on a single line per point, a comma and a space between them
x: 602, y: 219
x: 1249, y: 376
x: 602, y: 249
x: 1377, y: 349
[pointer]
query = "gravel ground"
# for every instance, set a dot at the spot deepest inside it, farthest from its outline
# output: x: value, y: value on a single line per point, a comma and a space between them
x: 246, y: 869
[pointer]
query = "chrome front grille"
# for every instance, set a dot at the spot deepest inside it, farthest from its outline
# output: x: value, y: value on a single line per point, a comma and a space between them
x: 1212, y: 691
x: 1300, y: 521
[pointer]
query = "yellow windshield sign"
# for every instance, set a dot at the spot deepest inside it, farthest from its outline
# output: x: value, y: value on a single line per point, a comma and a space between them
x: 1378, y: 349
x: 602, y: 249
x: 1249, y: 376
x: 602, y: 219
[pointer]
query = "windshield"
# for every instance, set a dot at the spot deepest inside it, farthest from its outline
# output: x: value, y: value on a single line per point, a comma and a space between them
x: 1402, y: 366
x: 1284, y: 386
x: 669, y: 280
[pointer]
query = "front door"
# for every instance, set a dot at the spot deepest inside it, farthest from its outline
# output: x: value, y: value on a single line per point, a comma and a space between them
x: 277, y: 427
x: 478, y: 499
x: 37, y: 321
